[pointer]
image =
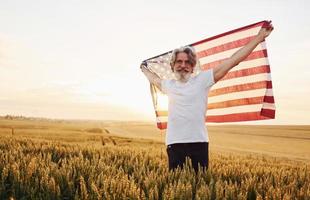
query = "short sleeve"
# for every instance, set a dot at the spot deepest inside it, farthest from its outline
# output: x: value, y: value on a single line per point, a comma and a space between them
x: 207, y: 78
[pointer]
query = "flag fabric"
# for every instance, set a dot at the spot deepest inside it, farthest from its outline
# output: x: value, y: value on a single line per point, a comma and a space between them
x: 244, y: 94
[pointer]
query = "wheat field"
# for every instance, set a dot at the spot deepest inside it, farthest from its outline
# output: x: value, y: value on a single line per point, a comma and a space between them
x: 42, y: 159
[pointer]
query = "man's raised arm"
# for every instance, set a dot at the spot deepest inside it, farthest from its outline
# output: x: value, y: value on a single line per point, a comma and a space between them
x: 222, y: 69
x: 151, y: 76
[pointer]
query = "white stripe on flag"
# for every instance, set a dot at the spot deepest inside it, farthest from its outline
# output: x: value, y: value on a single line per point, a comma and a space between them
x: 242, y: 80
x: 271, y: 106
x: 250, y: 64
x: 224, y: 54
x: 235, y: 109
x: 161, y: 119
x: 238, y: 95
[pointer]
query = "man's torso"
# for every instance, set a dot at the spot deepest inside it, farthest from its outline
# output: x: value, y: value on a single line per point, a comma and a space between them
x: 187, y: 108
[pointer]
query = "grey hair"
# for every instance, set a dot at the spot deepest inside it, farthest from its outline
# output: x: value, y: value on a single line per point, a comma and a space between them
x: 186, y: 49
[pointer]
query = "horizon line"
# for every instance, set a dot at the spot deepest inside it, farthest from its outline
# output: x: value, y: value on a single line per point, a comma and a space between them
x: 14, y: 117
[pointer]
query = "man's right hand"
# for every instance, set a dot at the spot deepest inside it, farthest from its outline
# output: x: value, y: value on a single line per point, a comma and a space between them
x: 143, y: 65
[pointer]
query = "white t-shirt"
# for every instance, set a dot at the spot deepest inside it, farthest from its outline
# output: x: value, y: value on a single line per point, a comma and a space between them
x: 187, y: 108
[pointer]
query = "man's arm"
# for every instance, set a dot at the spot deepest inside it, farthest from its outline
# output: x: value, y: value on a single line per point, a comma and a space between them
x: 222, y: 69
x: 151, y: 76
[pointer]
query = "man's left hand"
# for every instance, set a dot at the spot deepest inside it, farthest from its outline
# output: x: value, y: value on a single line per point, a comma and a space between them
x: 265, y: 30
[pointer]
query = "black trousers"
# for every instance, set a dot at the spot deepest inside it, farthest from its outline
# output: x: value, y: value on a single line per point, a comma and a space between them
x: 198, y: 153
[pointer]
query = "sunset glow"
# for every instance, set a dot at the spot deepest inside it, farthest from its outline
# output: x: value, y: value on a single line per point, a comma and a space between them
x: 83, y: 62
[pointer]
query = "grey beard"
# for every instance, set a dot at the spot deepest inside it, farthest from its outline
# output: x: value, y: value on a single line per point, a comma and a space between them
x: 183, y: 77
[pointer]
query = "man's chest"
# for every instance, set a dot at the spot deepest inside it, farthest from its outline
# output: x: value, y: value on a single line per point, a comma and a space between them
x: 186, y: 95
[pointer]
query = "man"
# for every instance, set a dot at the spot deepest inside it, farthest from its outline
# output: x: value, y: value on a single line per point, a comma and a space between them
x: 187, y: 135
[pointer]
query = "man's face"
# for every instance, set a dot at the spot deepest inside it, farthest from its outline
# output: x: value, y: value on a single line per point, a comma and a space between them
x: 182, y: 67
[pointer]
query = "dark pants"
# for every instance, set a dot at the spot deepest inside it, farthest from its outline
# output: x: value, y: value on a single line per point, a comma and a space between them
x: 197, y: 152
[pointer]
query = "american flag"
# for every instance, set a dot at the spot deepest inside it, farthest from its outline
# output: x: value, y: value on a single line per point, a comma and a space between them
x: 244, y: 94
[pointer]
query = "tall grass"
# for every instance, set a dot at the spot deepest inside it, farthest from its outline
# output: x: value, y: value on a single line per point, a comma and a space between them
x: 52, y: 170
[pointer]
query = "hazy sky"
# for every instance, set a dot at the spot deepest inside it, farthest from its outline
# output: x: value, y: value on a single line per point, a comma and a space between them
x: 80, y: 59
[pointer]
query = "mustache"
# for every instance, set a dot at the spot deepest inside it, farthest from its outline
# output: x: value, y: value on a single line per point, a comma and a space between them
x: 183, y: 70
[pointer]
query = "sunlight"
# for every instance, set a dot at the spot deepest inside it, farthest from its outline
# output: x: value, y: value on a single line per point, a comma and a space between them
x: 162, y: 102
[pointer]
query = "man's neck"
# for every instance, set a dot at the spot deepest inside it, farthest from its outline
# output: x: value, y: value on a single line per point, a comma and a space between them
x: 183, y: 80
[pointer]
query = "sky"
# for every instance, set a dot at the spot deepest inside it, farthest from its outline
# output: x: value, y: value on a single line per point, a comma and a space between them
x: 79, y: 59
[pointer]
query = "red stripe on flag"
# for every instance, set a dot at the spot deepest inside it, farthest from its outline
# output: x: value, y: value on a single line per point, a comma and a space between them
x: 269, y: 85
x: 252, y: 56
x: 268, y: 113
x: 247, y: 72
x: 269, y: 99
x: 236, y: 102
x: 162, y: 125
x: 224, y: 47
x: 239, y: 88
x: 248, y: 116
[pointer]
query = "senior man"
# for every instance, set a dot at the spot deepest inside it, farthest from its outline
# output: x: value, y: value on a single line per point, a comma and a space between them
x: 187, y: 135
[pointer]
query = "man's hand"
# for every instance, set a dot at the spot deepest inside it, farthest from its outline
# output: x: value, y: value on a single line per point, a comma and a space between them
x: 265, y: 30
x: 143, y: 65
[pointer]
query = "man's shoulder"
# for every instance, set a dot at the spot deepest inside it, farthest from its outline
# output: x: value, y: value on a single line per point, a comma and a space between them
x: 168, y: 81
x: 167, y: 84
x: 205, y: 77
x: 205, y: 73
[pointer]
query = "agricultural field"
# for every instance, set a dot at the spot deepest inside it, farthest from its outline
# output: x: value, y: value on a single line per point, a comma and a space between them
x: 54, y: 159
